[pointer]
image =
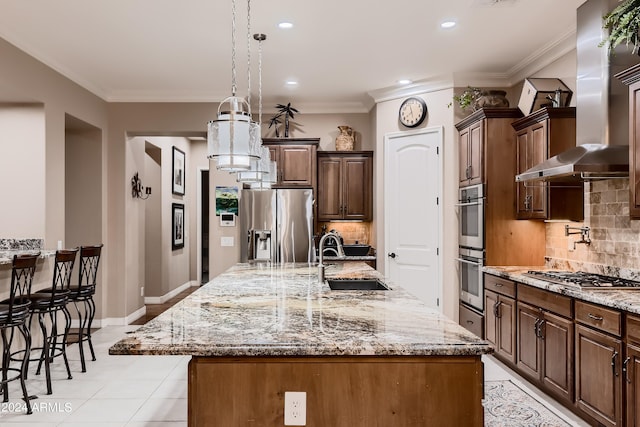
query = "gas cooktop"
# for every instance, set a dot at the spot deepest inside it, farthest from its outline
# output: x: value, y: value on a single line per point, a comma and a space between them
x: 584, y: 280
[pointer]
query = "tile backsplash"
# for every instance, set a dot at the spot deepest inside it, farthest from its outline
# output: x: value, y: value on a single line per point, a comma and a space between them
x: 351, y: 232
x: 615, y: 243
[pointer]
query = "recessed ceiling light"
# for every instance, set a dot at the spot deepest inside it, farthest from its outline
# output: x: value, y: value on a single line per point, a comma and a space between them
x: 291, y: 83
x: 285, y: 25
x: 448, y: 24
x: 404, y: 81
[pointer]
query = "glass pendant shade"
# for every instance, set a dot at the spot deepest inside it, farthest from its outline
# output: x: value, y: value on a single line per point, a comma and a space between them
x: 268, y: 179
x: 259, y: 168
x: 233, y: 140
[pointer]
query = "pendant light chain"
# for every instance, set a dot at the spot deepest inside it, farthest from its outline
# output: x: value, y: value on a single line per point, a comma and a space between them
x: 234, y: 87
x: 260, y: 38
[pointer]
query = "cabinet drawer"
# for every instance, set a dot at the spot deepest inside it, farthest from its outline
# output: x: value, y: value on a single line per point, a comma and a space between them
x: 599, y: 317
x: 471, y: 321
x: 633, y: 329
x: 549, y: 301
x: 500, y: 285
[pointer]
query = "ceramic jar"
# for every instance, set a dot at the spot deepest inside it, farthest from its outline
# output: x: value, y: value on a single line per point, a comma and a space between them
x: 346, y: 139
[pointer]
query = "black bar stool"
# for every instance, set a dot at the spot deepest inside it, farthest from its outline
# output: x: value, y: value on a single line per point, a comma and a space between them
x: 51, y: 302
x: 14, y: 314
x: 83, y: 293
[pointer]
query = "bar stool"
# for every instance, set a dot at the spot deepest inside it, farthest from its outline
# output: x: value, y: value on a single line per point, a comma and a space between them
x: 14, y: 313
x: 83, y: 293
x: 51, y: 302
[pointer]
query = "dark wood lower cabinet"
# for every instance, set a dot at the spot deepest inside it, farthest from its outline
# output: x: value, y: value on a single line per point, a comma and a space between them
x: 598, y: 376
x: 545, y: 350
x: 632, y: 380
x: 500, y: 325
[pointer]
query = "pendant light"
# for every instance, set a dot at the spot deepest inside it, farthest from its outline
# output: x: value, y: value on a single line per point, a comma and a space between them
x: 233, y: 140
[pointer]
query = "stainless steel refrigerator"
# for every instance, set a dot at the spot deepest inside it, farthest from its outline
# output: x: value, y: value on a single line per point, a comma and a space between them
x: 277, y: 225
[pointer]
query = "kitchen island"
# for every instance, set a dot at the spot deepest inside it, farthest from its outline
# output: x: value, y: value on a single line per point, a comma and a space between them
x: 364, y: 358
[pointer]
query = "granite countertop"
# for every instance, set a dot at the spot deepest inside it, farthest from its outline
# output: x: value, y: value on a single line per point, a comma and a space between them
x: 6, y: 257
x: 350, y: 258
x: 273, y: 310
x: 627, y: 300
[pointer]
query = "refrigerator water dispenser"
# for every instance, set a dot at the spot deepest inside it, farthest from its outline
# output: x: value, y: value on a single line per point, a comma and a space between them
x: 260, y: 245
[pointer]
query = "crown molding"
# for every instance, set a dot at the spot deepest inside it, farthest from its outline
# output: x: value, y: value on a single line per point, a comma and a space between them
x: 422, y: 86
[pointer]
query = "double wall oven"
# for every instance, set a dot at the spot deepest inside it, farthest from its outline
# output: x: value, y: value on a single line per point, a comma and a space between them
x: 471, y: 249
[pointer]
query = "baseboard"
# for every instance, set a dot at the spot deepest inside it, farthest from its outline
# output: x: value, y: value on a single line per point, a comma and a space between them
x: 119, y: 321
x: 166, y: 297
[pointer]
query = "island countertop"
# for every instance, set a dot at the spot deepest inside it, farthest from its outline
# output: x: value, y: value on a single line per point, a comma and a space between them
x: 275, y: 310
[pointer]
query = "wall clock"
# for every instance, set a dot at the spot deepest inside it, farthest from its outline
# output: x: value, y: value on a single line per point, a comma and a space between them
x: 413, y: 111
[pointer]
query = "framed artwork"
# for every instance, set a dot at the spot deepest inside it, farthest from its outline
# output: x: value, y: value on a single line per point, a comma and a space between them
x: 226, y: 200
x: 178, y: 178
x: 177, y: 226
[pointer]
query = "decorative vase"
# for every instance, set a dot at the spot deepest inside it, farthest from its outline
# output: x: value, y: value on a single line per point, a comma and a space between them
x: 345, y: 140
x: 493, y: 99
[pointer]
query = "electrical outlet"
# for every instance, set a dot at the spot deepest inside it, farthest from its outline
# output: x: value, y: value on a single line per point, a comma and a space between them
x: 295, y: 408
x: 570, y: 246
x: 141, y: 291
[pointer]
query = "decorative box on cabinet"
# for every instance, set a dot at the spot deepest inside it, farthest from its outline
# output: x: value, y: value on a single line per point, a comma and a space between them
x: 296, y: 160
x: 631, y: 77
x: 545, y: 340
x: 345, y: 185
x: 599, y: 363
x: 539, y: 136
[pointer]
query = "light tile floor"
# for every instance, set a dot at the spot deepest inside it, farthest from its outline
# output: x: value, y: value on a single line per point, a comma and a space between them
x: 143, y: 391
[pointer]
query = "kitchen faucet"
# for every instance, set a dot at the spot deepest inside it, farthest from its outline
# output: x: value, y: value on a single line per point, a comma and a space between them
x: 582, y: 231
x: 336, y: 238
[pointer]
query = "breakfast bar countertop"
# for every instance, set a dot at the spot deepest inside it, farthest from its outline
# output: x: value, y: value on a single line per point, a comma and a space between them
x: 622, y: 299
x: 273, y: 310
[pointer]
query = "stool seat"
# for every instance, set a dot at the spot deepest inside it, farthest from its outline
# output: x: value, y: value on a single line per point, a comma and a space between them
x: 46, y: 298
x: 18, y: 313
x: 78, y: 292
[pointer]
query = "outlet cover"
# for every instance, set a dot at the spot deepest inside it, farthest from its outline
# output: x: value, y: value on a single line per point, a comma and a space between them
x: 295, y: 408
x: 226, y: 241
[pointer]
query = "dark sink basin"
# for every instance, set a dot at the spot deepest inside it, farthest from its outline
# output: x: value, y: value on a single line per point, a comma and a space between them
x: 356, y: 250
x: 356, y: 285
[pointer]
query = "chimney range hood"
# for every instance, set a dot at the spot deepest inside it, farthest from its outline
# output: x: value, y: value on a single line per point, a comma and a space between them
x: 602, y: 108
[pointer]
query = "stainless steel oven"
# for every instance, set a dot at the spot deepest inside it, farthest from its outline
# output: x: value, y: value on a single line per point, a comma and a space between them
x: 470, y: 263
x: 471, y: 216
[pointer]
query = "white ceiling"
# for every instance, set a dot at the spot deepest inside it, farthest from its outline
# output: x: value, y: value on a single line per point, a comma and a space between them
x: 344, y: 53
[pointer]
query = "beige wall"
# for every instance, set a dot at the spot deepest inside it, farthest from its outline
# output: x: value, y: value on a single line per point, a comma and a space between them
x: 22, y: 170
x: 386, y: 120
x: 151, y: 176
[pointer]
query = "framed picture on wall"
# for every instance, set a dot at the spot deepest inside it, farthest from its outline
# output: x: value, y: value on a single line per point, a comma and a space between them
x: 178, y: 178
x: 177, y: 226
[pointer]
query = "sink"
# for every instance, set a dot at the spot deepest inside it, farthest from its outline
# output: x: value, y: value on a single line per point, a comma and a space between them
x: 357, y: 285
x: 356, y: 250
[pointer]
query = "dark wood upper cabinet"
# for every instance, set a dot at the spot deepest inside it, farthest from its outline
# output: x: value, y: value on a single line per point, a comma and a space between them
x: 539, y: 136
x: 296, y: 159
x: 345, y: 185
x: 631, y: 77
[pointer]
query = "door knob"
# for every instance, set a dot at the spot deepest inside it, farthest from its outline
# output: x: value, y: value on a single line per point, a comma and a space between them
x: 392, y: 255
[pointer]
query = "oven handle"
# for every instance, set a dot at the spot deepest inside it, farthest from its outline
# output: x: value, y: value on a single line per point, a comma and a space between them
x: 478, y: 263
x: 478, y: 203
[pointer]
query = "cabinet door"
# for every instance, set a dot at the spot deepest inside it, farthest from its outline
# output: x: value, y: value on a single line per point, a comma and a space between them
x: 632, y: 379
x: 529, y: 354
x: 598, y: 380
x: 357, y: 188
x: 537, y: 154
x: 634, y: 152
x: 523, y: 196
x: 298, y: 165
x: 556, y: 334
x: 329, y: 188
x: 507, y: 328
x: 490, y: 319
x: 463, y: 157
x: 476, y: 153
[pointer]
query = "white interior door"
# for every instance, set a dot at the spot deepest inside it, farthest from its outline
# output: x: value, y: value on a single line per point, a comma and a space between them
x: 413, y: 223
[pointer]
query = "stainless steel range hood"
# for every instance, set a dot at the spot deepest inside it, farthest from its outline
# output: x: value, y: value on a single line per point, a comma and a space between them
x: 602, y: 107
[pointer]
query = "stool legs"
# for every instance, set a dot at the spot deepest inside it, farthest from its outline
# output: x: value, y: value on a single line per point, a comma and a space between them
x: 85, y: 317
x: 24, y: 363
x: 50, y: 343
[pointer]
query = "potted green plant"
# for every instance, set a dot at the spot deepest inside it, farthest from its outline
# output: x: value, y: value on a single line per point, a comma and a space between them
x: 467, y: 99
x: 623, y: 24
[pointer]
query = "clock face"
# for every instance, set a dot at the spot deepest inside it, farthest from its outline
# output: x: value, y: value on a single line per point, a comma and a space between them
x: 413, y: 111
